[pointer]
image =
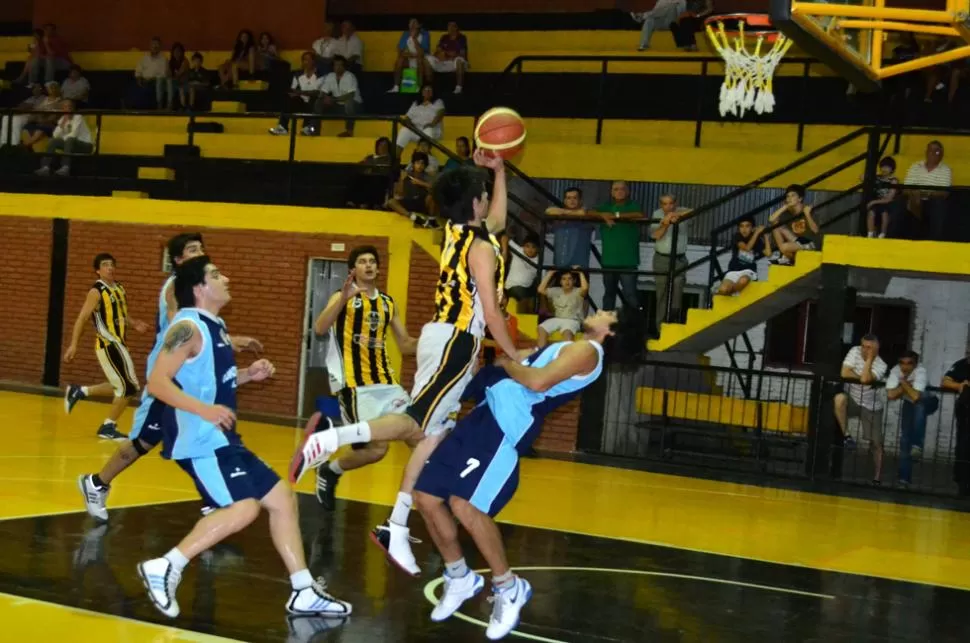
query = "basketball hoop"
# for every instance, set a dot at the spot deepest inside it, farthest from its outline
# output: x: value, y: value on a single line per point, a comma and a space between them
x: 747, y: 74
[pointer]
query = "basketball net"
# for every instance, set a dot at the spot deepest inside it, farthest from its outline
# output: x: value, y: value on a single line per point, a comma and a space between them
x: 747, y: 75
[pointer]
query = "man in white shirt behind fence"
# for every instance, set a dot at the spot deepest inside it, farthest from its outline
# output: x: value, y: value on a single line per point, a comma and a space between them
x: 71, y: 136
x: 862, y: 400
x: 339, y: 94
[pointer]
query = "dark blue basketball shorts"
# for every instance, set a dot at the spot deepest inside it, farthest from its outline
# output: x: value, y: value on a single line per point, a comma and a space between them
x: 232, y: 474
x: 475, y: 462
x: 151, y: 417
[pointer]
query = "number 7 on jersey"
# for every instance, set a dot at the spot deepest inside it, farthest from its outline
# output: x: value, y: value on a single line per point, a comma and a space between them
x: 472, y: 465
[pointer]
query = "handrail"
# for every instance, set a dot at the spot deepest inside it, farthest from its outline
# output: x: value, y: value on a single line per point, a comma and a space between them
x: 684, y: 58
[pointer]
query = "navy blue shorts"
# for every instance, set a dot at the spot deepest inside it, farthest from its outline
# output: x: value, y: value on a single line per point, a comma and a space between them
x: 234, y: 473
x: 475, y: 462
x: 151, y: 417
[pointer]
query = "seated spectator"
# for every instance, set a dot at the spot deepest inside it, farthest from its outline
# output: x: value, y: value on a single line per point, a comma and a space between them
x: 325, y: 48
x: 433, y: 164
x: 366, y: 191
x: 178, y: 75
x: 34, y: 65
x: 41, y: 125
x: 568, y: 304
x: 663, y: 14
x: 907, y: 381
x: 863, y: 364
x: 571, y: 241
x: 412, y: 194
x: 451, y: 56
x: 412, y: 51
x: 886, y: 208
x: 351, y: 47
x: 303, y: 91
x: 56, y: 56
x: 690, y: 22
x: 425, y: 114
x: 196, y: 80
x: 71, y: 136
x: 339, y: 94
x: 802, y: 231
x: 928, y: 204
x: 243, y: 57
x: 76, y: 87
x: 749, y: 246
x: 463, y: 150
x: 266, y: 53
x: 381, y: 157
x: 12, y: 127
x: 520, y: 282
x: 151, y: 78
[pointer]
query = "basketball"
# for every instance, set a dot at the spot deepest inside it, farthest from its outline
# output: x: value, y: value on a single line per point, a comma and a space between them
x: 501, y: 131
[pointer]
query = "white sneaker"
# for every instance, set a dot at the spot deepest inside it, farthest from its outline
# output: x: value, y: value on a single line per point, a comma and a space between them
x: 307, y: 131
x: 315, y: 448
x: 94, y: 498
x: 161, y: 579
x: 882, y: 235
x: 43, y: 171
x: 63, y: 171
x: 395, y: 540
x: 394, y: 90
x: 278, y: 130
x: 506, y: 606
x: 457, y: 89
x: 314, y: 600
x: 456, y: 592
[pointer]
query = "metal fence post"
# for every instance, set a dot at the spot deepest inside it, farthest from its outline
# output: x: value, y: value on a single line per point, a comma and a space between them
x: 799, y: 143
x: 700, y: 105
x: 97, y: 135
x: 601, y: 99
x: 671, y: 273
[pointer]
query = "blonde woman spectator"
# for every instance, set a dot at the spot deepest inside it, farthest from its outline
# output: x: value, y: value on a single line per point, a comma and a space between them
x: 425, y: 114
x: 71, y: 136
x: 243, y: 57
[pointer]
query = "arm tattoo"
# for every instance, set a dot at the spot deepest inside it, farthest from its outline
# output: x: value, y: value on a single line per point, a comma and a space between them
x: 178, y: 335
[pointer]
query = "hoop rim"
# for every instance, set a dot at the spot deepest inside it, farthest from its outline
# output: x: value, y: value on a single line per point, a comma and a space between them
x: 755, y: 24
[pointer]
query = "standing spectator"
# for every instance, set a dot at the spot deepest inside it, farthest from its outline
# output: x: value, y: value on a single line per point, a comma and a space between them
x: 412, y: 50
x: 520, y: 283
x: 339, y: 93
x: 907, y: 381
x: 886, y: 208
x: 178, y: 74
x: 266, y: 53
x: 412, y: 194
x: 571, y: 241
x: 304, y: 89
x: 76, y: 87
x: 71, y: 136
x: 568, y: 304
x: 862, y: 363
x: 198, y: 79
x: 463, y: 150
x: 351, y: 47
x: 957, y: 380
x: 12, y: 127
x: 151, y: 78
x: 425, y: 114
x: 40, y: 125
x: 55, y: 56
x: 433, y: 164
x: 34, y: 65
x: 662, y: 224
x: 926, y: 203
x: 801, y: 233
x: 243, y: 57
x: 663, y: 14
x: 451, y: 56
x: 621, y: 246
x: 748, y: 246
x: 325, y: 47
x: 690, y: 22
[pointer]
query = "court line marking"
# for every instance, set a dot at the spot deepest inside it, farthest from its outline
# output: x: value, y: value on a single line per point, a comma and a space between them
x: 81, y: 510
x: 431, y: 586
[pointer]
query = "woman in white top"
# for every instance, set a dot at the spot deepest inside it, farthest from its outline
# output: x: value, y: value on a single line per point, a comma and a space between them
x: 426, y: 115
x: 71, y: 136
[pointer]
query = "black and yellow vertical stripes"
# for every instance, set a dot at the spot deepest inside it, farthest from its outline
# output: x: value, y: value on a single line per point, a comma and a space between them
x: 456, y: 299
x: 361, y: 335
x: 111, y: 316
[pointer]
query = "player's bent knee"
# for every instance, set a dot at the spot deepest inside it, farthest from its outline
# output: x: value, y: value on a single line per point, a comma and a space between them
x: 425, y: 501
x: 461, y: 508
x: 141, y: 448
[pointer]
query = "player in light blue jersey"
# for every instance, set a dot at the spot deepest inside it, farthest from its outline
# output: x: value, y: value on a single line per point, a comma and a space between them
x: 195, y: 377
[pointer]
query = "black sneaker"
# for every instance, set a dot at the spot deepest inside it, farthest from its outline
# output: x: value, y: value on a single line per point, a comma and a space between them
x: 327, y: 487
x: 109, y: 431
x: 72, y: 396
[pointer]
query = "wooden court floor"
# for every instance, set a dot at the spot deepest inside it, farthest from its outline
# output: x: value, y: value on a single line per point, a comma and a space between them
x: 614, y: 555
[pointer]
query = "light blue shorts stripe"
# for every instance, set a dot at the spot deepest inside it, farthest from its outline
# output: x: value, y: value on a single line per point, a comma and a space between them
x: 499, y: 470
x: 209, y: 474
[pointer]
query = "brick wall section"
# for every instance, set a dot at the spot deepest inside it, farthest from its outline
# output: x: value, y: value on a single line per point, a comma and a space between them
x: 25, y: 249
x: 422, y: 281
x: 267, y: 273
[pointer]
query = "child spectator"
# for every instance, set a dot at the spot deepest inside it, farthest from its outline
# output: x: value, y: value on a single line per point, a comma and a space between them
x: 76, y: 87
x: 433, y: 164
x: 178, y: 74
x: 749, y: 246
x: 412, y: 193
x: 243, y: 57
x: 881, y: 209
x: 197, y: 79
x: 520, y: 284
x: 568, y: 304
x: 802, y: 232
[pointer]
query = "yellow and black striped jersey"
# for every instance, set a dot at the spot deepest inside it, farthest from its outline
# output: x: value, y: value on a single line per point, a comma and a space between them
x: 357, y: 354
x: 110, y: 318
x: 456, y: 298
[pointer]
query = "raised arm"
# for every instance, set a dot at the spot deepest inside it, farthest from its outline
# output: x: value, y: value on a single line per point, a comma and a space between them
x: 498, y: 209
x: 90, y: 303
x: 544, y: 284
x: 583, y: 284
x: 578, y: 358
x: 329, y: 314
x: 809, y: 219
x: 481, y: 265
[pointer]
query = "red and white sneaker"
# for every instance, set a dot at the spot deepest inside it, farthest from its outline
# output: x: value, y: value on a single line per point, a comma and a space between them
x: 316, y: 447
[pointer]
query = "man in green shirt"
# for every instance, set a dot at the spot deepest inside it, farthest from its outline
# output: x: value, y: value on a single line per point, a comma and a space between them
x: 620, y: 235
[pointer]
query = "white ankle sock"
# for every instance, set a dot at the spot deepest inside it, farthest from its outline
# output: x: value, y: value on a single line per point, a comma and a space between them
x: 109, y: 421
x: 402, y: 507
x: 84, y: 389
x: 456, y: 569
x: 301, y: 579
x: 353, y: 433
x: 336, y: 468
x: 178, y: 560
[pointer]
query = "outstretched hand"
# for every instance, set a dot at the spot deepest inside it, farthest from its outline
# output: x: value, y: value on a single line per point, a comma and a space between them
x: 487, y: 159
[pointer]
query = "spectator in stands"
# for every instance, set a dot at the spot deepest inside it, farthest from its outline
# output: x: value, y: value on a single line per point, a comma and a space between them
x: 885, y: 211
x: 325, y: 47
x: 178, y: 74
x: 425, y: 114
x: 433, y: 164
x: 663, y: 14
x: 690, y: 22
x: 243, y: 57
x: 620, y: 236
x: 266, y: 52
x: 568, y: 304
x: 12, y: 127
x: 151, y: 78
x: 366, y: 192
x: 382, y: 154
x: 802, y: 231
x: 451, y: 56
x: 662, y: 224
x: 412, y: 51
x: 520, y: 283
x: 571, y: 241
x: 957, y: 380
x: 351, y: 47
x: 76, y: 87
x: 339, y: 94
x: 748, y: 246
x: 463, y: 150
x: 198, y: 79
x: 412, y: 194
x: 926, y: 203
x: 71, y: 136
x: 55, y: 56
x: 35, y: 60
x: 40, y: 125
x: 863, y: 364
x: 304, y: 89
x: 907, y: 381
